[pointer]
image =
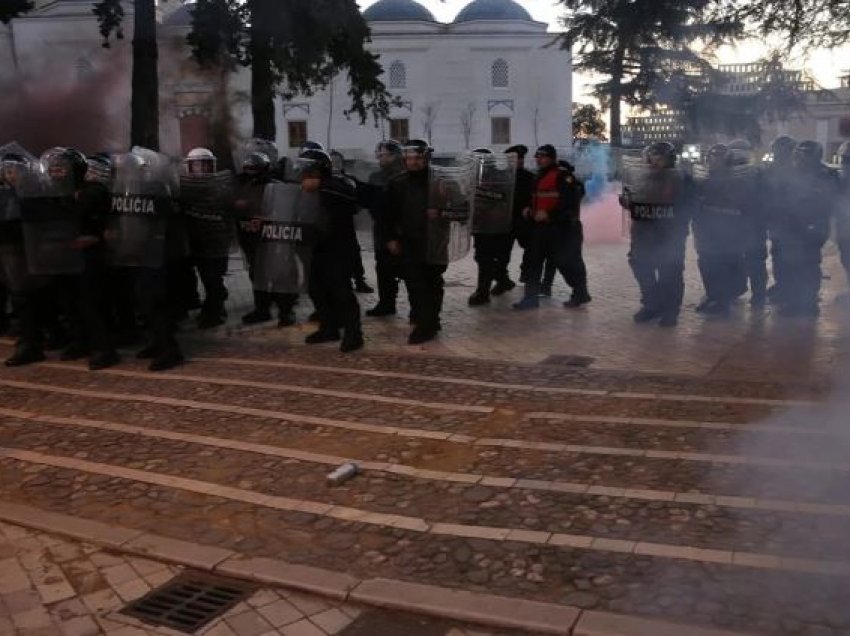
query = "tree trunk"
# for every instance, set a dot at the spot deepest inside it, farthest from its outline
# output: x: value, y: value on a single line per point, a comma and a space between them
x: 144, y: 124
x: 222, y: 118
x: 616, y: 96
x: 262, y: 78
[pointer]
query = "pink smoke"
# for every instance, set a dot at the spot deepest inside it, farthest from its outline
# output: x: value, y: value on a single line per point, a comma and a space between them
x: 603, y: 218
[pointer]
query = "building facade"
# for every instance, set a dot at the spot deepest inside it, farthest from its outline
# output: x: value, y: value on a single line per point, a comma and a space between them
x: 488, y: 78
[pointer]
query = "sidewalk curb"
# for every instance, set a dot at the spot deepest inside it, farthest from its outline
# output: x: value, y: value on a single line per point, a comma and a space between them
x: 461, y: 605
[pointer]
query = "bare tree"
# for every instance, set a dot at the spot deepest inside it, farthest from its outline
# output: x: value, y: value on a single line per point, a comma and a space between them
x: 429, y: 116
x: 535, y: 116
x: 467, y: 118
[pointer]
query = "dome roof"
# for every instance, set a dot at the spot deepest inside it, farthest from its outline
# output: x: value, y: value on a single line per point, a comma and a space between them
x: 492, y: 10
x: 397, y: 11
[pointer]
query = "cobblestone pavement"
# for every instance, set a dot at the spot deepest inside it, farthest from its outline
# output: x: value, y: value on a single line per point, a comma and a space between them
x: 50, y: 586
x: 697, y: 475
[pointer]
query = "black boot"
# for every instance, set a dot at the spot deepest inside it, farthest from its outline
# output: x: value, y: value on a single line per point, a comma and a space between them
x: 257, y: 316
x: 25, y: 354
x: 104, y: 360
x: 74, y: 351
x: 320, y: 337
x: 167, y: 360
x: 286, y: 319
x: 480, y: 297
x: 380, y: 310
x: 503, y: 287
x: 646, y: 314
x: 352, y: 341
x: 362, y: 287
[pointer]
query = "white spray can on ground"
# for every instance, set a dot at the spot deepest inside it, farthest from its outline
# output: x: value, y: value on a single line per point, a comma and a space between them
x: 343, y: 473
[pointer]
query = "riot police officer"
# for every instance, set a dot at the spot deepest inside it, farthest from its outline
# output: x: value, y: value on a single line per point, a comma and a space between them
x: 204, y: 201
x: 248, y: 199
x: 777, y: 178
x: 522, y: 200
x: 655, y: 197
x: 331, y: 267
x: 556, y: 230
x: 755, y: 230
x: 802, y: 230
x: 492, y: 225
x: 407, y: 232
x: 372, y: 196
x: 842, y: 214
x: 358, y: 272
x: 725, y: 197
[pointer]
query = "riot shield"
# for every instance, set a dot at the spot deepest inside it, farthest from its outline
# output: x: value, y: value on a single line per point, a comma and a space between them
x: 492, y: 205
x: 141, y: 201
x: 51, y: 222
x: 291, y: 222
x: 727, y: 192
x: 251, y: 146
x: 450, y: 213
x: 14, y: 274
x: 651, y: 193
x: 205, y: 201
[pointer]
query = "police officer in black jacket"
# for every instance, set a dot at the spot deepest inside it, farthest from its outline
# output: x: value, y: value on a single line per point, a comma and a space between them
x: 332, y: 265
x: 408, y: 198
x: 373, y: 196
x: 523, y: 191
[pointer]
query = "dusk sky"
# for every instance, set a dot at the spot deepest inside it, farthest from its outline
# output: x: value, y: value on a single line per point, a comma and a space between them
x: 825, y: 66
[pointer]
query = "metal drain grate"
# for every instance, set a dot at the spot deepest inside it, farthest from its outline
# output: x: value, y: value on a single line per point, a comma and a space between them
x: 189, y: 601
x: 569, y: 361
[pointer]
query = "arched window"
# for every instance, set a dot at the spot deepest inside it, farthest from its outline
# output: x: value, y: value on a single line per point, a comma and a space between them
x: 500, y: 74
x: 84, y: 69
x: 398, y: 75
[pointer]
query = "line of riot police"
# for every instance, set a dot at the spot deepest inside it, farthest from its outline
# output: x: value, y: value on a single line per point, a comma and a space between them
x: 735, y: 208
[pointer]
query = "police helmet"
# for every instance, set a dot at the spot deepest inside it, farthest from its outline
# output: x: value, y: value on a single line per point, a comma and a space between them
x: 256, y: 163
x: 313, y: 162
x: 808, y: 153
x: 482, y: 151
x: 201, y: 156
x: 389, y: 146
x: 719, y: 154
x: 741, y: 151
x: 99, y: 167
x: 418, y: 147
x: 662, y: 149
x: 311, y: 145
x: 68, y: 159
x: 783, y: 147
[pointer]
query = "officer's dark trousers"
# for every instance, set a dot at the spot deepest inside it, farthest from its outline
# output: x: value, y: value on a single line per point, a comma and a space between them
x: 358, y: 272
x: 657, y: 259
x: 800, y: 257
x: 492, y: 253
x: 388, y: 272
x: 152, y: 297
x: 331, y: 293
x: 755, y: 257
x: 33, y: 306
x: 211, y: 272
x: 720, y: 245
x: 4, y: 311
x: 425, y: 287
x: 121, y: 300
x: 549, y: 270
x: 562, y: 244
x: 82, y: 301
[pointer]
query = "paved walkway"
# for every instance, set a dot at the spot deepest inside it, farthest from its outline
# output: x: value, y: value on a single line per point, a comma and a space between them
x: 55, y: 587
x: 696, y: 475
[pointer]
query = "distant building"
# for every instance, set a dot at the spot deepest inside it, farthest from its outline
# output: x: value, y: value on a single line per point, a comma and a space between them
x: 664, y: 124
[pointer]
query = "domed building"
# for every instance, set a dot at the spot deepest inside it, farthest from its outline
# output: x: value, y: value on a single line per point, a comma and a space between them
x: 487, y: 78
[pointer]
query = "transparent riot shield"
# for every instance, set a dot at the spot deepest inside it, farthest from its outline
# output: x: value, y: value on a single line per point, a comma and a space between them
x: 141, y: 202
x: 729, y: 191
x: 205, y: 201
x: 51, y: 223
x: 492, y: 204
x: 650, y: 193
x: 449, y: 213
x: 291, y: 223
